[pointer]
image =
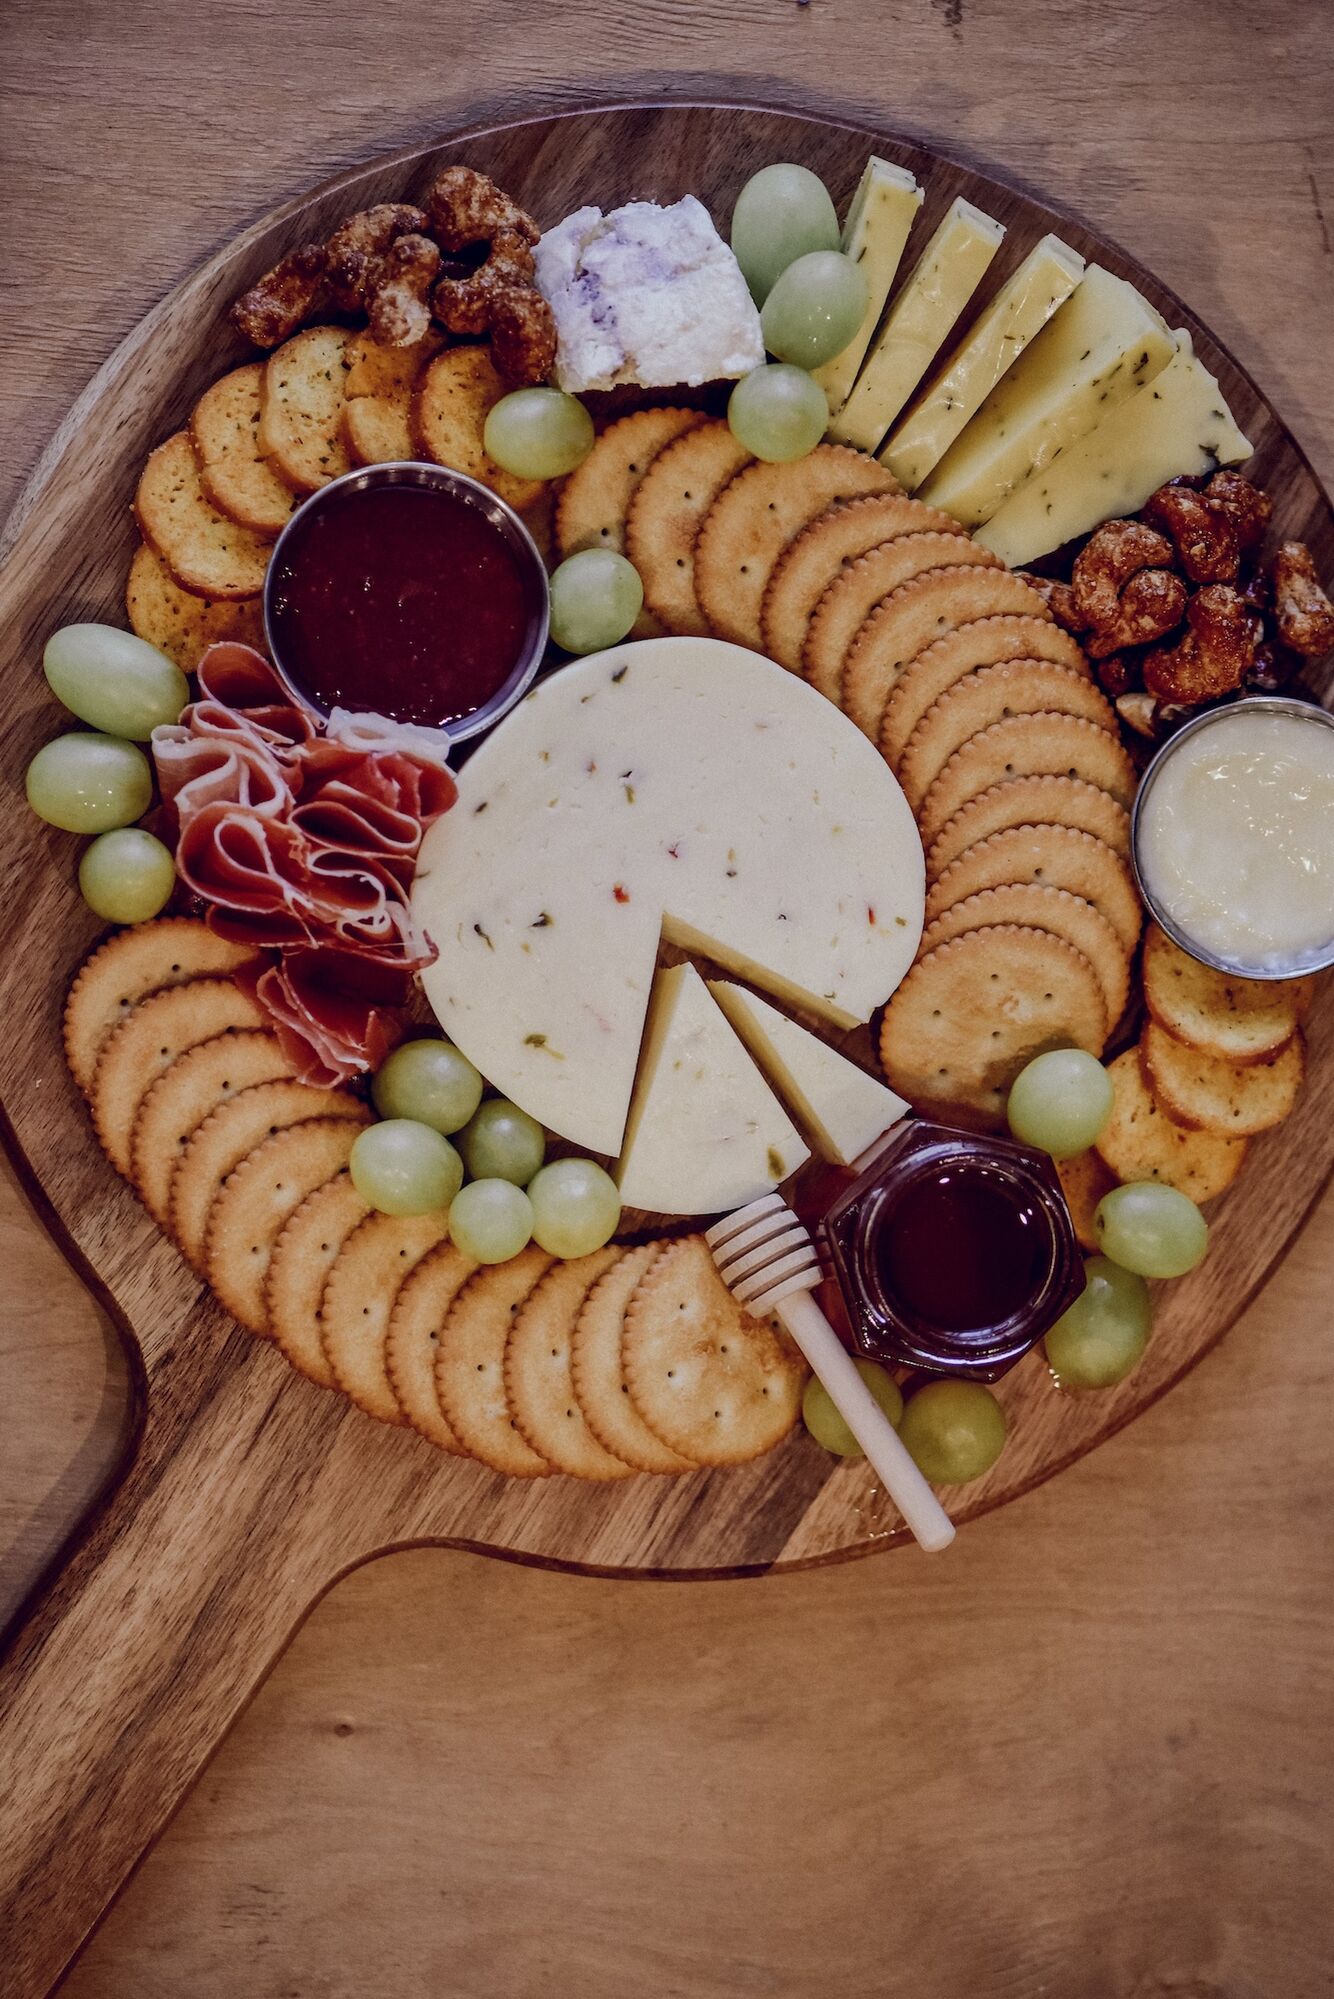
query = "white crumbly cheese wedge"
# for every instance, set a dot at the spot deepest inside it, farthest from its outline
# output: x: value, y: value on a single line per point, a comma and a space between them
x: 1017, y: 314
x: 706, y: 1132
x: 646, y: 294
x: 841, y: 1109
x: 942, y: 281
x: 675, y: 787
x: 875, y: 236
x: 1178, y: 423
x: 1104, y: 343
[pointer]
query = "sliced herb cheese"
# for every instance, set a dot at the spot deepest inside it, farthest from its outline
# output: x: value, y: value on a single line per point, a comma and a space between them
x: 1104, y: 343
x: 940, y: 285
x: 1017, y: 314
x: 875, y: 236
x: 1178, y: 423
x: 841, y: 1109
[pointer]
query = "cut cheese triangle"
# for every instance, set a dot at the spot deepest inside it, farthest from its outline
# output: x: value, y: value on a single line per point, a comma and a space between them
x: 842, y: 1108
x: 706, y: 1133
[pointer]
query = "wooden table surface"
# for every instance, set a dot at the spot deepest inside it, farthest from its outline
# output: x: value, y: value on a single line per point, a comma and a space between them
x: 1085, y: 1756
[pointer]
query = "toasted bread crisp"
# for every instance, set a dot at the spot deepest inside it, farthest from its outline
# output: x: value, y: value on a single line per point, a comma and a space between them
x: 1031, y: 801
x: 133, y: 963
x: 302, y: 1258
x: 257, y: 1201
x: 861, y: 585
x: 1140, y: 1141
x: 822, y: 551
x: 1236, y: 1020
x: 715, y: 1385
x: 1042, y: 907
x: 916, y: 616
x: 358, y: 1298
x: 415, y: 1328
x: 1059, y: 857
x: 156, y: 1032
x: 994, y: 694
x: 662, y: 521
x: 452, y: 400
x: 470, y: 1364
x: 178, y: 622
x: 754, y: 518
x: 1042, y: 745
x: 1202, y: 1093
x: 301, y: 411
x: 378, y: 390
x: 204, y: 550
x: 1084, y: 1180
x: 188, y: 1092
x: 599, y: 1381
x: 538, y: 1379
x: 233, y: 472
x: 972, y: 1013
x: 969, y: 647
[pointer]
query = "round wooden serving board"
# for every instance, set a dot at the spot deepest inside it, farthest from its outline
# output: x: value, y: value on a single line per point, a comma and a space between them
x: 247, y: 1491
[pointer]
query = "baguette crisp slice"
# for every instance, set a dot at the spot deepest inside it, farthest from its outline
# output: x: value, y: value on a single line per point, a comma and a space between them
x: 301, y: 408
x: 204, y: 550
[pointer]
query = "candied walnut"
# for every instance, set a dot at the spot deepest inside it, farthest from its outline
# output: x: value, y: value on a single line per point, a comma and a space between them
x: 1248, y: 508
x: 1215, y: 653
x: 1200, y: 530
x: 358, y: 245
x: 1117, y: 674
x: 272, y: 310
x: 523, y: 337
x: 1059, y: 599
x: 467, y: 304
x: 1275, y: 667
x: 1123, y: 590
x: 400, y: 302
x: 466, y: 207
x: 1302, y: 610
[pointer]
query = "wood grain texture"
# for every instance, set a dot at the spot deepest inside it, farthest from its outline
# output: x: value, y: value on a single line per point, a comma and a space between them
x: 929, y: 36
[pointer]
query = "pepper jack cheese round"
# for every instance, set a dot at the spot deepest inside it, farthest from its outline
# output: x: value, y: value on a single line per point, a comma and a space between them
x: 677, y: 787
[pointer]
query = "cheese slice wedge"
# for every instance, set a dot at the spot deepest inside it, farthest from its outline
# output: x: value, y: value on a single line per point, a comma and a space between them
x: 942, y: 281
x: 1104, y: 343
x: 1017, y: 314
x: 706, y: 1132
x: 676, y: 787
x: 875, y: 236
x: 841, y: 1108
x: 1178, y: 423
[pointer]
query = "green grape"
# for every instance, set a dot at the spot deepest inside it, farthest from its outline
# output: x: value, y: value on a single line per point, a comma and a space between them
x: 430, y: 1081
x: 1101, y: 1338
x: 778, y: 412
x: 596, y: 596
x: 127, y: 876
x: 89, y: 784
x: 953, y: 1430
x: 814, y: 309
x: 405, y: 1168
x: 576, y: 1207
x: 538, y: 433
x: 113, y: 680
x: 1060, y: 1102
x: 827, y: 1426
x: 491, y: 1220
x: 781, y: 213
x: 501, y: 1142
x: 1151, y: 1229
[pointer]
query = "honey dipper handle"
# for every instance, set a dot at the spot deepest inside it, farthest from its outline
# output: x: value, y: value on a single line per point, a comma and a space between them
x: 921, y: 1510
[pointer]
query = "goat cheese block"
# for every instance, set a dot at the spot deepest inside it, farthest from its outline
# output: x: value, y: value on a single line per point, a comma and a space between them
x: 1104, y: 343
x: 875, y: 236
x: 1178, y: 423
x: 706, y: 1132
x: 646, y: 294
x: 1017, y: 314
x: 679, y: 788
x: 840, y: 1107
x: 941, y: 283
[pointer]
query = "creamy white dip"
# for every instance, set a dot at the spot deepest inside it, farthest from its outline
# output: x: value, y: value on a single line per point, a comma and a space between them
x: 1235, y: 839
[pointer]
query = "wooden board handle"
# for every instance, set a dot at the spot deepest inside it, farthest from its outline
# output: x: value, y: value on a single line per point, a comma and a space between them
x: 129, y: 1669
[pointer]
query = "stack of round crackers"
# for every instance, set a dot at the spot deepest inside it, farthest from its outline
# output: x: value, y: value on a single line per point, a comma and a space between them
x: 633, y: 1359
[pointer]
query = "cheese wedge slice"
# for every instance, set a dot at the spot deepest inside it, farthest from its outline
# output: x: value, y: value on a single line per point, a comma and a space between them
x: 676, y: 787
x: 942, y: 281
x: 706, y: 1132
x: 1017, y: 314
x: 1104, y: 343
x: 875, y: 236
x: 1178, y: 423
x: 841, y: 1108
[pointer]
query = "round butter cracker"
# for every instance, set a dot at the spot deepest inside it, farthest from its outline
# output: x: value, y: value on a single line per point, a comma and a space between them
x: 915, y: 616
x: 157, y: 1031
x: 978, y: 643
x: 188, y: 1092
x: 1039, y: 906
x: 256, y: 1202
x: 598, y: 1380
x: 1041, y: 745
x: 358, y: 1299
x: 862, y: 585
x: 1031, y: 801
x: 127, y: 968
x: 470, y: 1364
x: 538, y: 1379
x: 1056, y: 856
x: 663, y: 518
x: 416, y: 1327
x: 302, y: 1258
x: 994, y: 694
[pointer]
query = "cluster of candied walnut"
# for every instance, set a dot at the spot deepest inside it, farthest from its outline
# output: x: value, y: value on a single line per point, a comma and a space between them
x: 1179, y: 607
x: 465, y: 259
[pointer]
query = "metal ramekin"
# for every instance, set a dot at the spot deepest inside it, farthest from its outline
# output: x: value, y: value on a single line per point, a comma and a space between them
x: 1256, y: 704
x: 410, y: 472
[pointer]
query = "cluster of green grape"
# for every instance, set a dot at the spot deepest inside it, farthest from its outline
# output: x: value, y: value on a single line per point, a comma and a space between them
x: 812, y: 299
x: 952, y: 1430
x: 428, y: 1093
x: 97, y: 780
